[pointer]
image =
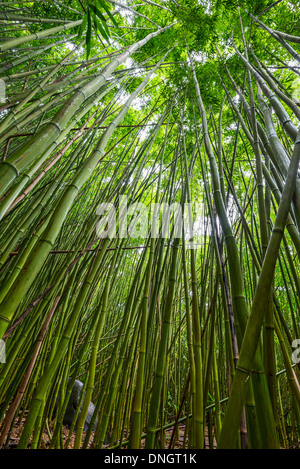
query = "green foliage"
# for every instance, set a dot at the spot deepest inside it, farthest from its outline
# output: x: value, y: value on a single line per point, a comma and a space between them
x: 94, y: 20
x: 48, y: 237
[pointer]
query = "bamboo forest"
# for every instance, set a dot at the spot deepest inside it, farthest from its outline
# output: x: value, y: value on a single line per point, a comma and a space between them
x: 150, y: 224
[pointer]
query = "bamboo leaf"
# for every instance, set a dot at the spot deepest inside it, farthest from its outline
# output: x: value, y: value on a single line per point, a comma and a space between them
x: 88, y: 34
x: 102, y: 3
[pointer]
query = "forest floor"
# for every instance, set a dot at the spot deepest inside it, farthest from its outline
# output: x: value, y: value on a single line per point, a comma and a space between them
x: 45, y: 442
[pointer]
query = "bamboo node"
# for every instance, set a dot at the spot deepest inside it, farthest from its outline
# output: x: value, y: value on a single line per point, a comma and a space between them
x: 248, y: 373
x: 47, y: 241
x: 81, y: 91
x: 286, y: 121
x: 73, y: 185
x: 278, y: 230
x: 4, y: 318
x: 56, y: 125
x: 12, y: 166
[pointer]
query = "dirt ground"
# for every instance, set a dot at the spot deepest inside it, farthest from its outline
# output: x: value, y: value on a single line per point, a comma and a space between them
x: 45, y: 443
